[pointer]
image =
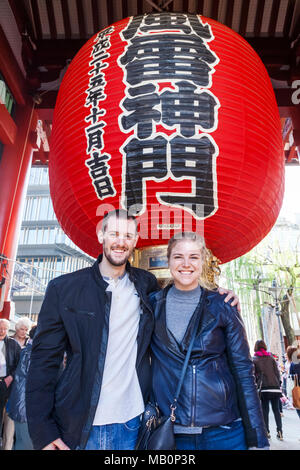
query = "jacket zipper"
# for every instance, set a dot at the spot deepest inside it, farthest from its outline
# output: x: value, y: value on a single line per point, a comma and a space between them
x: 222, y: 383
x: 193, y: 395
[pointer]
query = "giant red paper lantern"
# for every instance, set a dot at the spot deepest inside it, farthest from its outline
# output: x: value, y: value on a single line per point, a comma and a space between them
x: 172, y: 116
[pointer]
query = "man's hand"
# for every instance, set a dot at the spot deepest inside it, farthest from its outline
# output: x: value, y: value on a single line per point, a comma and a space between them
x: 58, y: 444
x: 8, y: 380
x: 230, y: 295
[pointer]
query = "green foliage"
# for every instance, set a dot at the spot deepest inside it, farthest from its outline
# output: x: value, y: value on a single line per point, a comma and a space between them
x: 251, y: 277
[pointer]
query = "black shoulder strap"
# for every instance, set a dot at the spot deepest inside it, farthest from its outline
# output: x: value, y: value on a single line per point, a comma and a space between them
x: 187, y: 357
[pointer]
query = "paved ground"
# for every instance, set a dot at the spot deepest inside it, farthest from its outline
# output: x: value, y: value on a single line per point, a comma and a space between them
x: 291, y: 431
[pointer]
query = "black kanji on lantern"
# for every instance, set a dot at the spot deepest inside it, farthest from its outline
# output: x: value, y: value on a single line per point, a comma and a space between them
x: 98, y: 171
x: 97, y: 162
x: 104, y: 187
x: 187, y: 109
x: 94, y: 136
x: 183, y: 108
x: 169, y: 49
x: 95, y: 112
x: 186, y: 23
x: 168, y: 57
x: 193, y: 158
x: 189, y: 159
x: 145, y: 159
x: 141, y: 109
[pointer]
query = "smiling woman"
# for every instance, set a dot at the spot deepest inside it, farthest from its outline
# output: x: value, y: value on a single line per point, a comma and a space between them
x: 218, y: 407
x: 191, y: 263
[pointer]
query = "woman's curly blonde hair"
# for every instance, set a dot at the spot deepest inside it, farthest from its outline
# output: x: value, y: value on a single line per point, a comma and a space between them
x: 210, y: 269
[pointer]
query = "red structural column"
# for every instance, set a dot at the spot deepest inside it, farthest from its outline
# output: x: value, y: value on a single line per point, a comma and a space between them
x: 14, y: 171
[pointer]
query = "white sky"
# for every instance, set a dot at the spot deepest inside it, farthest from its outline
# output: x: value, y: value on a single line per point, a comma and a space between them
x: 291, y: 200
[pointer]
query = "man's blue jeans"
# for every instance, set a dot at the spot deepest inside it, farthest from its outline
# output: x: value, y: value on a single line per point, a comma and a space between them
x: 231, y: 437
x: 119, y: 436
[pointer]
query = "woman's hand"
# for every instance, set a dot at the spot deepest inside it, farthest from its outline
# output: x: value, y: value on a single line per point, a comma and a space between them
x: 230, y: 295
x: 58, y: 444
x: 8, y: 380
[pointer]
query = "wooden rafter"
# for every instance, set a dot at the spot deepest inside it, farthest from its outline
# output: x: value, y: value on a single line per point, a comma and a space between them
x: 66, y: 19
x: 36, y: 19
x: 244, y: 17
x: 80, y: 15
x: 51, y: 17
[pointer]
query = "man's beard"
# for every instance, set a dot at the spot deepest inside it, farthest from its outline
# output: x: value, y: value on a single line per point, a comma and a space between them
x: 114, y: 262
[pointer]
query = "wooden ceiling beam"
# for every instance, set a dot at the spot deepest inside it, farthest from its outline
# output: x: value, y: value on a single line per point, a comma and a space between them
x: 244, y: 17
x: 96, y: 22
x: 51, y: 18
x: 36, y: 19
x: 124, y: 8
x: 110, y: 12
x: 185, y: 6
x: 214, y: 13
x: 21, y: 17
x: 81, y: 22
x: 66, y: 18
x: 258, y: 17
x: 55, y: 52
x: 289, y: 17
x: 140, y: 7
x: 229, y: 13
x: 274, y: 17
x: 199, y: 7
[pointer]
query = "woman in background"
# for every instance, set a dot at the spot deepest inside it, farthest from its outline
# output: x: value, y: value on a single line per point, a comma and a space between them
x: 22, y: 328
x: 17, y: 408
x: 268, y: 382
x: 293, y: 354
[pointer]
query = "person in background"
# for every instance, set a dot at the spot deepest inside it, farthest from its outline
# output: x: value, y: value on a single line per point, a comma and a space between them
x: 218, y: 407
x: 268, y: 382
x: 9, y: 358
x: 17, y: 408
x: 289, y: 380
x: 294, y: 351
x: 22, y: 328
x: 276, y: 357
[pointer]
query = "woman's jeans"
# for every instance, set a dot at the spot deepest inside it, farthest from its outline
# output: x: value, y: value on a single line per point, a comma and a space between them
x: 276, y: 411
x: 231, y: 437
x: 119, y: 436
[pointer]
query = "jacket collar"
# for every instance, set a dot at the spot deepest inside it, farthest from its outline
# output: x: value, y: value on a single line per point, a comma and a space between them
x: 98, y: 276
x: 161, y: 323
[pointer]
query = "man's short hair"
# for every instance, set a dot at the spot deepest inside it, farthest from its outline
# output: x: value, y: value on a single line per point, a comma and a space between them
x: 119, y: 214
x: 7, y: 322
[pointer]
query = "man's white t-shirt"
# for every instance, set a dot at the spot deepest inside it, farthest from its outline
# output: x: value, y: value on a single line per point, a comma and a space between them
x: 121, y: 397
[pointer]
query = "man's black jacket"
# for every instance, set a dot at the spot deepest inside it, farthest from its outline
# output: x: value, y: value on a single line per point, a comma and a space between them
x: 74, y: 318
x: 12, y: 355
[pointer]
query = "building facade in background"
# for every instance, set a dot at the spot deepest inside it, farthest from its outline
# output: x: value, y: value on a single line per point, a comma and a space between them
x: 44, y: 251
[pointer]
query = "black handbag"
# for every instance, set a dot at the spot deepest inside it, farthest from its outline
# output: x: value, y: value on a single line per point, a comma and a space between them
x: 157, y: 431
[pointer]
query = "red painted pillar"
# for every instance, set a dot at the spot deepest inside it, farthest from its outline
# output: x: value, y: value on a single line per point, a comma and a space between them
x: 14, y: 170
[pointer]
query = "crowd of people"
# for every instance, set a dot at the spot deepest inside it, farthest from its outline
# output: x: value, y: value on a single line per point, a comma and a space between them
x: 109, y: 340
x: 14, y: 357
